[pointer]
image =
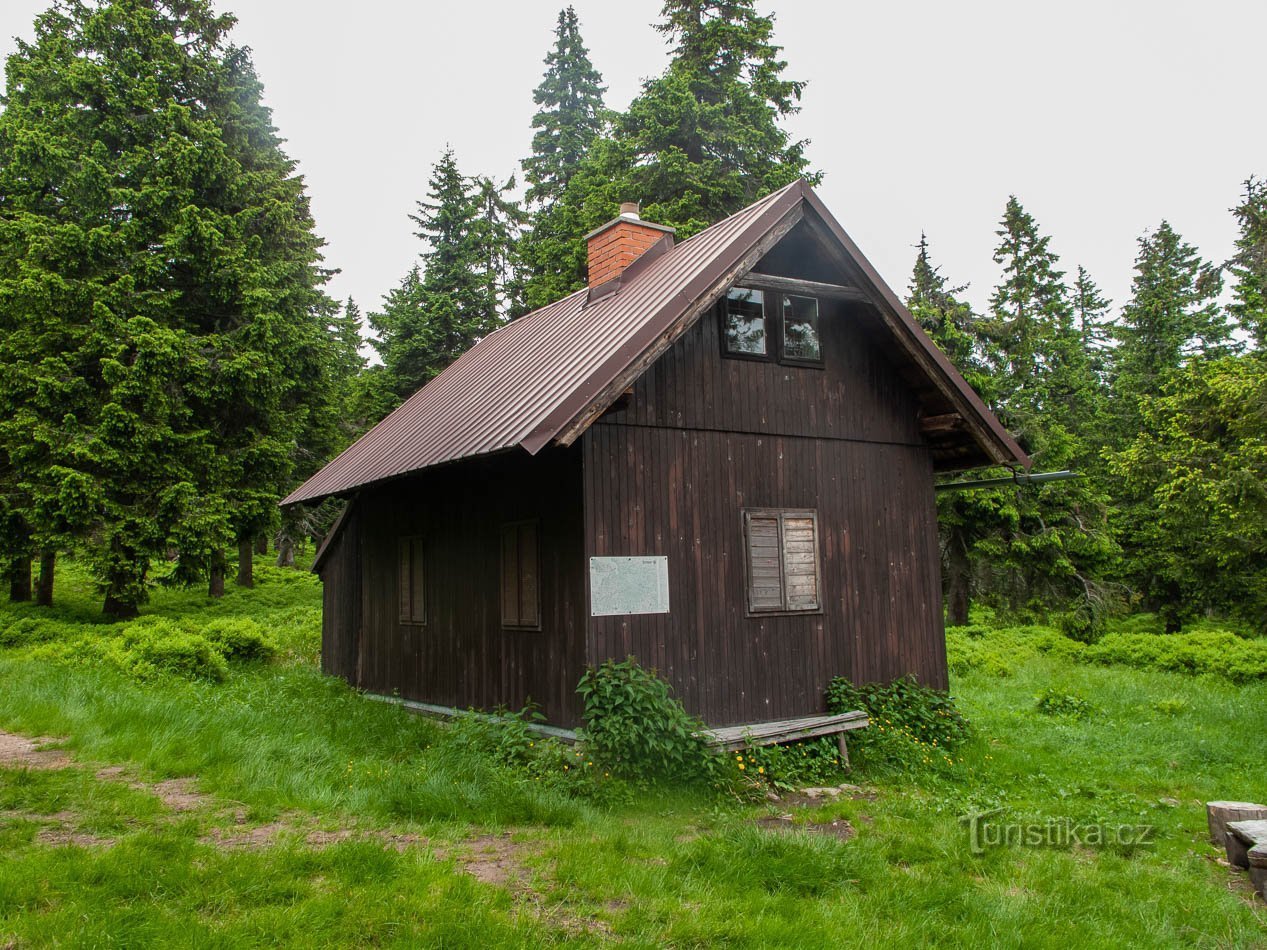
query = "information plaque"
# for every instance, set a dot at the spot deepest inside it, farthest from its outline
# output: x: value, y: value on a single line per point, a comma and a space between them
x: 629, y: 585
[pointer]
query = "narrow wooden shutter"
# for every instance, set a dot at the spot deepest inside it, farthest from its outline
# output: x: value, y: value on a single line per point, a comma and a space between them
x: 529, y: 579
x: 411, y: 580
x: 765, y: 565
x: 510, y: 575
x: 403, y: 576
x: 417, y: 582
x: 800, y: 560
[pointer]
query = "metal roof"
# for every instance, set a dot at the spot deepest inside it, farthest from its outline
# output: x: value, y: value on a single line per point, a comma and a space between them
x: 528, y: 382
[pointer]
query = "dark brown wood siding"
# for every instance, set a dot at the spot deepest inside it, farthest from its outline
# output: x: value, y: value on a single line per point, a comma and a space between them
x: 341, y: 600
x: 462, y: 655
x: 699, y: 439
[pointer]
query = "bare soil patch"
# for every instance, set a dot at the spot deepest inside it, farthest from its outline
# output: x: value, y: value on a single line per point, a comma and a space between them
x: 19, y: 752
x: 492, y: 859
x: 837, y: 828
x: 64, y: 837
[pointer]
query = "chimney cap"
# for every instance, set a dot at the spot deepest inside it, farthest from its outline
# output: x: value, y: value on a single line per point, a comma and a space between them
x: 629, y: 209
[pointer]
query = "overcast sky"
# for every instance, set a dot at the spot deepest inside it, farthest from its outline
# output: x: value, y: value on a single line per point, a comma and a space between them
x: 1103, y: 117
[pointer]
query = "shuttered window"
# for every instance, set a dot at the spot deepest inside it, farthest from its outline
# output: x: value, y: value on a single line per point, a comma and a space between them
x: 412, y: 581
x: 782, y: 548
x: 521, y: 580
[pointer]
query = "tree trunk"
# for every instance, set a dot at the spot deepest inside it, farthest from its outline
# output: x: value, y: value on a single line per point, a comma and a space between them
x: 261, y: 544
x: 215, y: 583
x: 958, y: 584
x: 117, y: 609
x: 48, y: 567
x: 285, y: 552
x: 246, y: 563
x: 20, y: 580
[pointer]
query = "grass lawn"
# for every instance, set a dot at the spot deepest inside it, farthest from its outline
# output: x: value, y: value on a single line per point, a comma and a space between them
x: 278, y: 807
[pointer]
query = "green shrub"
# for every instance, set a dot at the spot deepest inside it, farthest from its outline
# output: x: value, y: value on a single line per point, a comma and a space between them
x: 636, y: 729
x: 1203, y: 651
x: 26, y: 631
x: 146, y: 650
x: 793, y: 764
x: 911, y: 725
x: 1052, y: 702
x: 238, y: 638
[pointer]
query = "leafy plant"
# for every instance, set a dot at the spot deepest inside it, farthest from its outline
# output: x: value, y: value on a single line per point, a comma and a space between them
x: 792, y: 764
x: 911, y: 724
x: 1052, y: 702
x: 635, y: 728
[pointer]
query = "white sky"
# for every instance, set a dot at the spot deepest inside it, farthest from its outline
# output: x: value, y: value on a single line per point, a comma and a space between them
x: 1103, y: 117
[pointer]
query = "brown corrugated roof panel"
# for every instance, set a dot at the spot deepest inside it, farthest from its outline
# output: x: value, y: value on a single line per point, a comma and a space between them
x: 526, y: 384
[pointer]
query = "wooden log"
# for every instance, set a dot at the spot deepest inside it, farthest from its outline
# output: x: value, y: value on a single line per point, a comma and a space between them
x: 1242, y: 837
x: 810, y: 288
x: 1218, y: 814
x: 1258, y: 868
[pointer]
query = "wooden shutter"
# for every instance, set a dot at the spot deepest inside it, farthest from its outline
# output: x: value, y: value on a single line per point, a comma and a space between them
x: 529, y: 582
x: 800, y: 560
x: 510, y: 575
x: 765, y: 564
x: 411, y: 580
x: 782, y: 555
x: 521, y: 576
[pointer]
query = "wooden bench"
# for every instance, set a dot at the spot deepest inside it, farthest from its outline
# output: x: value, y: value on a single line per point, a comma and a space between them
x: 732, y: 738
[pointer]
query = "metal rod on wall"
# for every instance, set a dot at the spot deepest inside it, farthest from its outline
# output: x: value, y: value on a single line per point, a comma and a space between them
x: 1017, y: 478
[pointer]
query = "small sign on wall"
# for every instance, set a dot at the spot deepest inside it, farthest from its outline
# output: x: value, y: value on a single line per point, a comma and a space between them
x: 629, y: 585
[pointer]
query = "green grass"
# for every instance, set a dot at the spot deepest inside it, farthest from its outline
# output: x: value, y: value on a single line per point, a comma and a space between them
x: 277, y: 743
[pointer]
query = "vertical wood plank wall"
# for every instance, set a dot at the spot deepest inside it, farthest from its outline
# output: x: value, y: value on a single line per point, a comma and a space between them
x: 463, y: 656
x: 701, y: 438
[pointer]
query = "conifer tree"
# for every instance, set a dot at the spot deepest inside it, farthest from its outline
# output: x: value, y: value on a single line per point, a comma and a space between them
x: 463, y: 288
x: 159, y: 289
x: 1249, y: 265
x: 569, y: 114
x: 1173, y: 315
x: 967, y: 521
x: 1091, y: 317
x: 1056, y: 543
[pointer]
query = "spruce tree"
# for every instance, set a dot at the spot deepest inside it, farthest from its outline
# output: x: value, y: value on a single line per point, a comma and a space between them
x: 1091, y: 317
x: 1249, y: 265
x: 1056, y: 543
x: 462, y: 290
x: 1173, y: 315
x: 968, y: 522
x: 569, y: 114
x: 704, y: 139
x: 159, y: 290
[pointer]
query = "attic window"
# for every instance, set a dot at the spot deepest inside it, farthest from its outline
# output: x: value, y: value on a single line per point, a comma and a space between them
x: 800, y: 330
x: 745, y: 328
x: 782, y: 556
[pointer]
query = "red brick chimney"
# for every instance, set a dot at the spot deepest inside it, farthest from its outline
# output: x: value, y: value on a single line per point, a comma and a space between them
x: 618, y: 243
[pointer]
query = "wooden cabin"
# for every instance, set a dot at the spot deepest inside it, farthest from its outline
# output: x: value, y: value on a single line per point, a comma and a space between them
x: 717, y: 458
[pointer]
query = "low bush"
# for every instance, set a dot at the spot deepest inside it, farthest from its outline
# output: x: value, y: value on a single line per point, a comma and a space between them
x: 634, y: 727
x: 911, y: 724
x: 1202, y: 650
x: 793, y: 764
x: 238, y: 638
x: 1052, y: 702
x: 148, y: 650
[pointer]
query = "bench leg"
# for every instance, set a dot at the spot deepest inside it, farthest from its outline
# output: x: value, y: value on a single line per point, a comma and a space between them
x: 844, y: 750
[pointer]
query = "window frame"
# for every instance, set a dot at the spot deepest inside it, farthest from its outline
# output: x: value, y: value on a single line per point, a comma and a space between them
x: 786, y: 360
x: 771, y: 328
x: 776, y: 351
x: 518, y: 622
x: 411, y: 560
x: 782, y: 610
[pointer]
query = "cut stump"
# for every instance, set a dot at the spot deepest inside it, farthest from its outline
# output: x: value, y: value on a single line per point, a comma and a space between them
x: 1242, y: 837
x: 1218, y: 814
x: 1258, y: 868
